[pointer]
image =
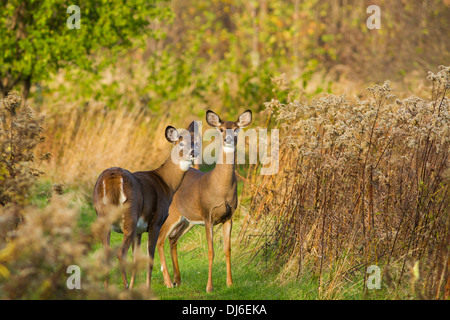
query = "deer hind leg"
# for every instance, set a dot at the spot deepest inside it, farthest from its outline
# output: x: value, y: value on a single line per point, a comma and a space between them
x: 105, y: 241
x: 128, y: 238
x: 136, y: 246
x: 178, y: 231
x: 167, y: 227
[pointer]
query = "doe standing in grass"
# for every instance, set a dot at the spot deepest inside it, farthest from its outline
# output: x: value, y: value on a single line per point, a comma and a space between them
x: 205, y: 198
x: 139, y: 202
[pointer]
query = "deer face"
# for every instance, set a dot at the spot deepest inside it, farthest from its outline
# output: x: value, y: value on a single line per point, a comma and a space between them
x: 185, y: 146
x: 229, y: 130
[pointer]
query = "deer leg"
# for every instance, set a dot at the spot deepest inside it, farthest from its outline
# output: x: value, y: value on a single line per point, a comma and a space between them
x: 122, y: 255
x: 136, y: 245
x: 209, y: 239
x: 175, y: 235
x: 176, y: 268
x: 227, y: 226
x: 105, y: 242
x: 160, y: 245
x: 151, y: 244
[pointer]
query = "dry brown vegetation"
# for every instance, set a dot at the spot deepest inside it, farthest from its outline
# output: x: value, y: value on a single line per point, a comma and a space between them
x: 361, y: 182
x: 34, y: 262
x: 37, y: 245
x: 20, y: 133
x: 84, y: 140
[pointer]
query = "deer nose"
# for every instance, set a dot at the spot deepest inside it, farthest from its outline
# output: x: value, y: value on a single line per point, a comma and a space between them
x: 228, y: 139
x: 193, y: 153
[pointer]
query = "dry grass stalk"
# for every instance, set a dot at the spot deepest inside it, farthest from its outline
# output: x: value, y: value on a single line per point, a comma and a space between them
x: 361, y: 182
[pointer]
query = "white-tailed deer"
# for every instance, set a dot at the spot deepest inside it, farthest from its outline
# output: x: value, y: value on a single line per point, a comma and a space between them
x: 205, y: 198
x: 139, y: 202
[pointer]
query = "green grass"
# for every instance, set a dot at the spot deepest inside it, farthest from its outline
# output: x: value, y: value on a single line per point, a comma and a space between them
x: 250, y: 281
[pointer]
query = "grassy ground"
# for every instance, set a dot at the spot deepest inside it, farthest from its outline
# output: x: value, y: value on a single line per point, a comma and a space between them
x: 251, y: 281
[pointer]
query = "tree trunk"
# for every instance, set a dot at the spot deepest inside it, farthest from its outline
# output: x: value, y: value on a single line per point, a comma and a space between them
x: 26, y: 89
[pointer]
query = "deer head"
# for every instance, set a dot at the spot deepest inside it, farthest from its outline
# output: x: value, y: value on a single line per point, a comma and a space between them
x: 229, y: 130
x: 185, y: 145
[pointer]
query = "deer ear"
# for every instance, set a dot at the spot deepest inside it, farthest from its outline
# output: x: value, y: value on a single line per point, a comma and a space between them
x: 213, y: 119
x: 172, y: 134
x: 191, y: 127
x: 244, y: 119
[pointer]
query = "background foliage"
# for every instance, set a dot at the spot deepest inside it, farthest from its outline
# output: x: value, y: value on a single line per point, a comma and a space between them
x: 363, y: 175
x: 36, y: 41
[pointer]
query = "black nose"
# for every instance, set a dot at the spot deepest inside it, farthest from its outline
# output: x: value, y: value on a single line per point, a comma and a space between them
x: 194, y: 153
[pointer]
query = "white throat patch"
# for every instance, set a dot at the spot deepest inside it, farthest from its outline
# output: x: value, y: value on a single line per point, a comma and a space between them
x: 228, y: 149
x: 185, y: 164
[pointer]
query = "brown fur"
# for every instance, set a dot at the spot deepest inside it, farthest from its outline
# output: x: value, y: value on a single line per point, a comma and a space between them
x: 112, y: 182
x: 147, y: 195
x: 209, y: 198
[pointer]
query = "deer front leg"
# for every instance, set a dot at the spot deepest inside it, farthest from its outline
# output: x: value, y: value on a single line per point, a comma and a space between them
x: 209, y: 239
x: 227, y: 226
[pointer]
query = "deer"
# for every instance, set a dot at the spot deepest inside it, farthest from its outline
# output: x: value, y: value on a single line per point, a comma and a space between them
x: 139, y: 202
x: 207, y: 199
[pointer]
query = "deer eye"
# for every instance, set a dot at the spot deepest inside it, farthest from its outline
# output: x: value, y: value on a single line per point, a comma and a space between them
x: 221, y: 130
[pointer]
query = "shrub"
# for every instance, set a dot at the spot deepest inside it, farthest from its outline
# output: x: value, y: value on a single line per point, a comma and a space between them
x: 361, y: 182
x: 34, y: 263
x: 20, y: 133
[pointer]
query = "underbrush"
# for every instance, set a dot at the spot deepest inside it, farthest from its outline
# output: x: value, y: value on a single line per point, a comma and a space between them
x: 360, y: 183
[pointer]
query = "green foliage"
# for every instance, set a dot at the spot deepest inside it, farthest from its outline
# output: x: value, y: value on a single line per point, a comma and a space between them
x: 36, y: 41
x: 223, y: 54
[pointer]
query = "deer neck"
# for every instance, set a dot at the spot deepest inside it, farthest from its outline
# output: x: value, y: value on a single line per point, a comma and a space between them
x: 224, y: 172
x: 172, y: 173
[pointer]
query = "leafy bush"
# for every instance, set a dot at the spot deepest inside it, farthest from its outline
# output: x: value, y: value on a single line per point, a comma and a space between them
x: 37, y: 42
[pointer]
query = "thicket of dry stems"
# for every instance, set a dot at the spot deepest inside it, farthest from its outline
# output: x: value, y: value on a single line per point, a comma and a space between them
x: 360, y: 183
x: 85, y: 140
x: 20, y: 133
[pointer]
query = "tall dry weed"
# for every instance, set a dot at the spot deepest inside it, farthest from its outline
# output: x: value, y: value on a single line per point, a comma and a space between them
x: 35, y: 262
x: 86, y: 140
x: 361, y: 182
x: 20, y: 134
